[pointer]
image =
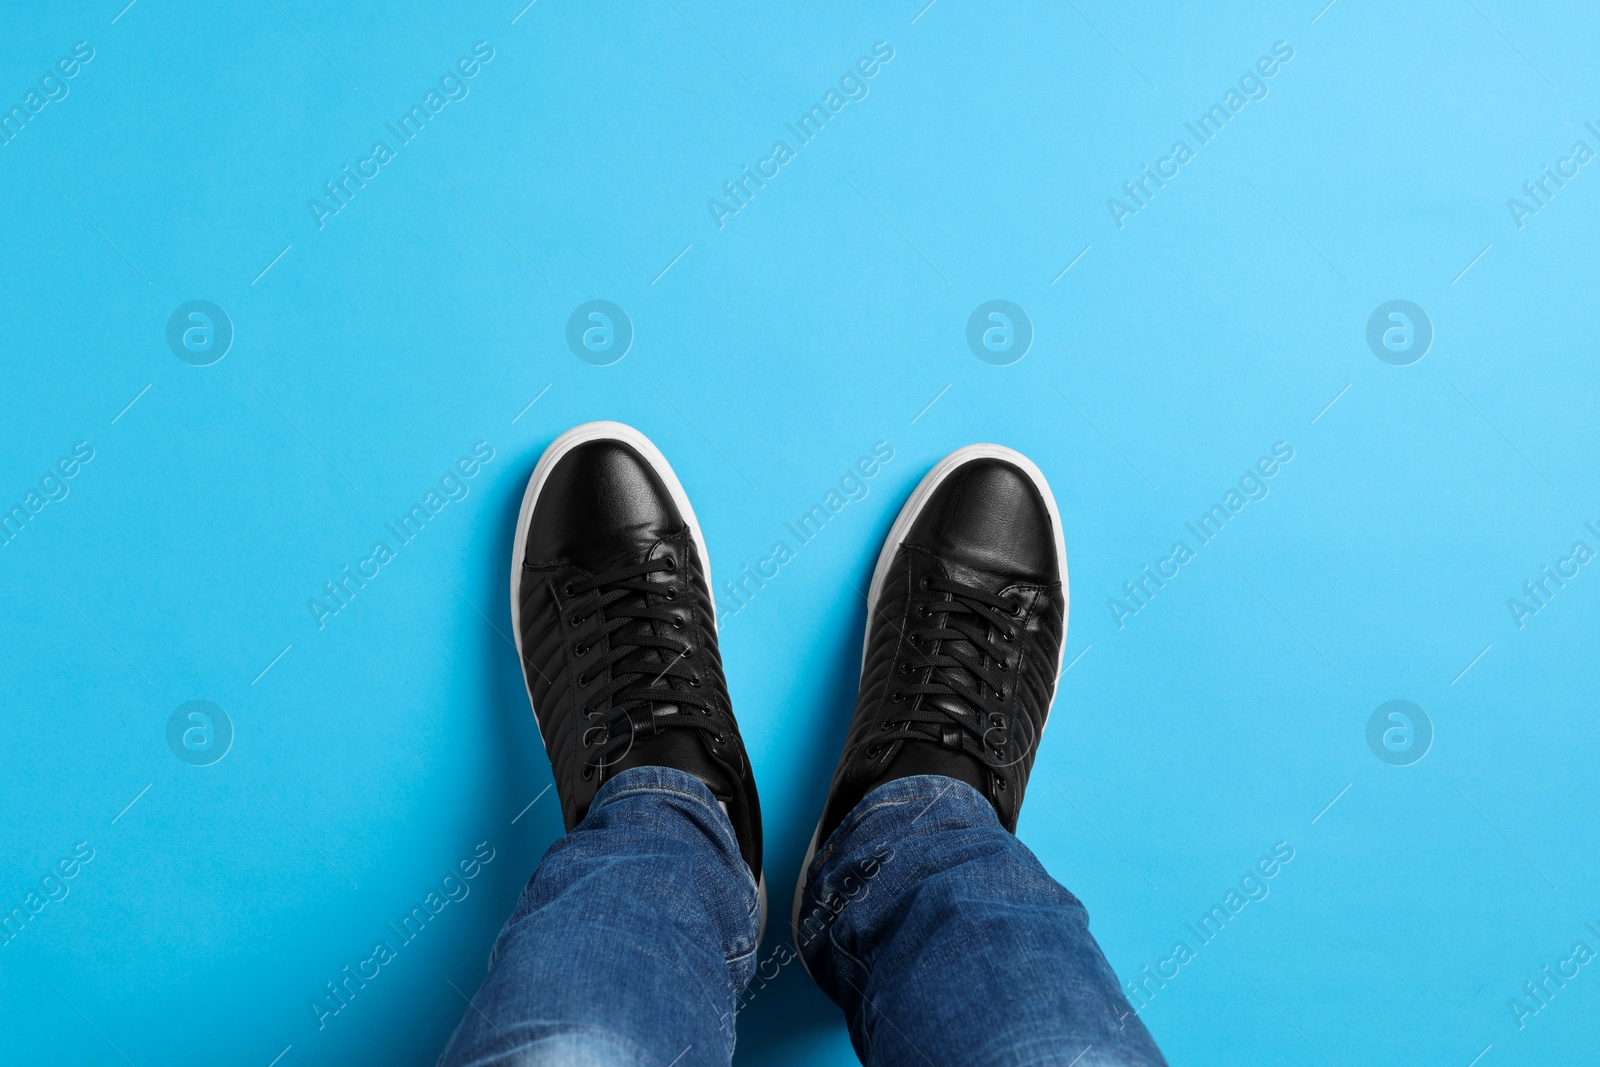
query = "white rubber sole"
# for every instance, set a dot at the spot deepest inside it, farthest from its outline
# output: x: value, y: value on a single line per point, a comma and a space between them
x: 580, y: 435
x: 891, y: 547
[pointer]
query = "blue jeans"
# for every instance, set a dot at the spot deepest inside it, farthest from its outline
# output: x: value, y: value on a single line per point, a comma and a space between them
x: 937, y: 932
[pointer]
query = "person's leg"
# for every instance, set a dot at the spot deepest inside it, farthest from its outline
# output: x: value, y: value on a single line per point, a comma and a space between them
x: 637, y: 932
x: 631, y: 942
x: 946, y: 942
x: 918, y: 911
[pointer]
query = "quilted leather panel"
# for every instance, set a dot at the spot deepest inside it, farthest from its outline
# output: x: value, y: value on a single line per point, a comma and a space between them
x: 553, y: 666
x: 1039, y: 634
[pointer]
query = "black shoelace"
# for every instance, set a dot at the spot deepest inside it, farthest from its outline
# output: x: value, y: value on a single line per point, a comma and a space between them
x: 965, y: 656
x: 648, y: 669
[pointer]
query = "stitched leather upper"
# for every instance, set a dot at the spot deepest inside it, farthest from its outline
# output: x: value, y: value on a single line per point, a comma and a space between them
x: 602, y: 511
x: 985, y: 528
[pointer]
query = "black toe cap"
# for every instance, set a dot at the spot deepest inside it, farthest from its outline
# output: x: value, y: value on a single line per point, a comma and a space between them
x: 989, y: 515
x: 600, y: 499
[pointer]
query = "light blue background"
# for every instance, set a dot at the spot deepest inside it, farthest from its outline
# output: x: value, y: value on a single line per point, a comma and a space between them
x: 1225, y: 316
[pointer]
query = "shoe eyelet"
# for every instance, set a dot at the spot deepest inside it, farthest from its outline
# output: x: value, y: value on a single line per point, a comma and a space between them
x: 671, y: 593
x: 672, y: 564
x: 677, y: 622
x: 1000, y: 694
x: 897, y: 696
x: 717, y: 739
x: 694, y: 680
x: 577, y: 620
x: 583, y: 681
x: 923, y: 585
x: 905, y: 669
x: 1009, y: 635
x: 579, y: 650
x: 1016, y: 611
x: 588, y: 772
x: 1000, y: 784
x: 570, y: 590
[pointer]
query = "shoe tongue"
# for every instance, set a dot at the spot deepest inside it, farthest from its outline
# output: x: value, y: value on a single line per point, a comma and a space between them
x: 961, y: 570
x: 931, y: 757
x: 667, y: 745
x: 943, y: 753
x: 673, y: 747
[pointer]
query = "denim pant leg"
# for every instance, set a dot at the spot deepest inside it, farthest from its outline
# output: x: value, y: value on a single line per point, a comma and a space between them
x: 946, y: 943
x: 629, y: 945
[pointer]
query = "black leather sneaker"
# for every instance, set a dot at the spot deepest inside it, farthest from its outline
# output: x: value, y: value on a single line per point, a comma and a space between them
x: 617, y: 630
x: 966, y: 624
